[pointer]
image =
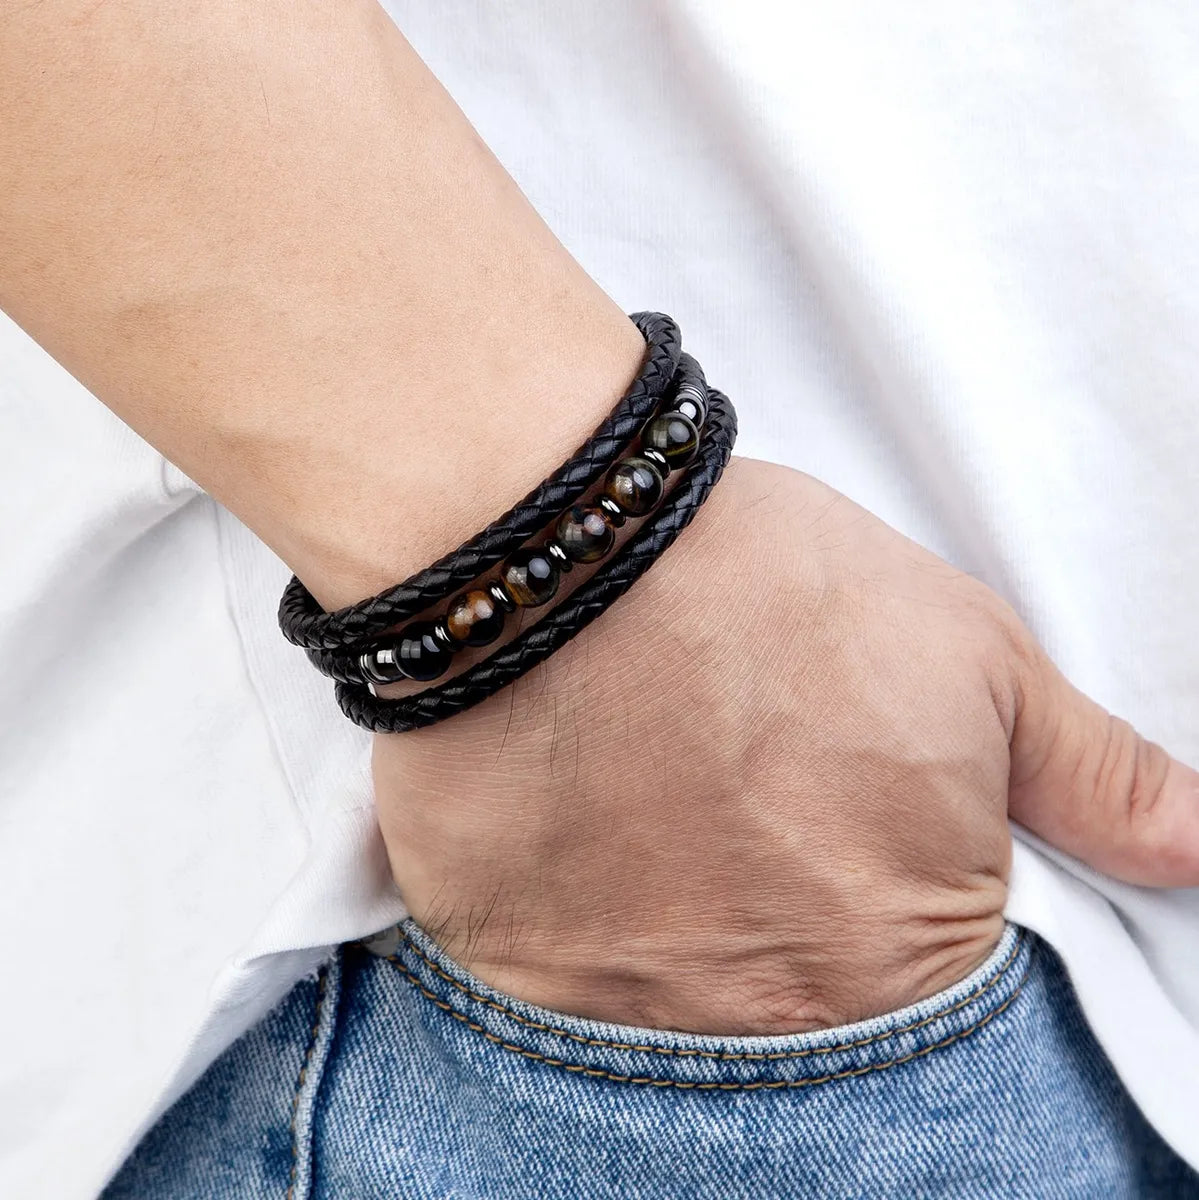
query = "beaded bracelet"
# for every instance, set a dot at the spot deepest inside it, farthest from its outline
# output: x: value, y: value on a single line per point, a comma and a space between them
x: 562, y: 623
x: 305, y: 623
x: 530, y: 577
x: 671, y: 432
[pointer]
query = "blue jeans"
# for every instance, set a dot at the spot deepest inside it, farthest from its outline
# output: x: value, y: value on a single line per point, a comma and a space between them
x: 397, y: 1074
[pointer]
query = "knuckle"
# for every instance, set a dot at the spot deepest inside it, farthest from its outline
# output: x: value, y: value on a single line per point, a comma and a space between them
x: 1011, y: 641
x: 1011, y: 659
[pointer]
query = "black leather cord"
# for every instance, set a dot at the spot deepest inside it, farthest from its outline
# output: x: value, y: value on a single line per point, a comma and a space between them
x: 306, y: 624
x: 577, y: 611
x: 343, y: 664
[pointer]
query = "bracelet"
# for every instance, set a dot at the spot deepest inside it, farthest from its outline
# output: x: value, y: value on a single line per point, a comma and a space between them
x: 676, y: 421
x: 530, y: 577
x: 305, y: 623
x: 574, y: 614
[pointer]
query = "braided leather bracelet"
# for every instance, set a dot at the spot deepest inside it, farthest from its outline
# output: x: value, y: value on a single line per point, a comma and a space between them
x: 305, y: 623
x: 530, y: 577
x: 574, y: 614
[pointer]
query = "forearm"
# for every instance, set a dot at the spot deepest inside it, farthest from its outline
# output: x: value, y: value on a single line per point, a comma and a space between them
x: 265, y: 236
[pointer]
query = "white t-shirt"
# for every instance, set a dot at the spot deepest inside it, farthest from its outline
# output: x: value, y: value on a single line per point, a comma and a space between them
x: 943, y: 256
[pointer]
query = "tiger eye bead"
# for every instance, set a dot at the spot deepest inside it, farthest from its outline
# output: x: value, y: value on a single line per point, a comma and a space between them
x: 585, y: 532
x: 474, y: 618
x: 530, y: 577
x: 674, y: 437
x: 635, y: 484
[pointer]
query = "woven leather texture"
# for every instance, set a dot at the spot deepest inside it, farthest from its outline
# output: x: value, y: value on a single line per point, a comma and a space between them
x: 343, y: 664
x: 305, y: 623
x: 575, y: 613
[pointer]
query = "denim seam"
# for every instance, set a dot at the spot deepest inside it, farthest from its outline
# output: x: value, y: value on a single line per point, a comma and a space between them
x: 686, y: 1085
x: 295, y: 1100
x: 718, y: 1055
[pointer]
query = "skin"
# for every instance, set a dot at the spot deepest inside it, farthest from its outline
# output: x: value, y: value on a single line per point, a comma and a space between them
x: 817, y: 831
x: 766, y: 791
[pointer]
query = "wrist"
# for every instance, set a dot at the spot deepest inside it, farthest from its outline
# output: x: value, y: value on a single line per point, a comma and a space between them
x: 506, y: 407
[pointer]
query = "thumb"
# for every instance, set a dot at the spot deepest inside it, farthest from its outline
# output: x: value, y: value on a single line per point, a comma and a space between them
x: 1089, y: 784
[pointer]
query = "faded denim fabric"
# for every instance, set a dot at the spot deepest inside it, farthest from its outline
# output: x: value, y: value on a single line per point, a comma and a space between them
x: 398, y: 1074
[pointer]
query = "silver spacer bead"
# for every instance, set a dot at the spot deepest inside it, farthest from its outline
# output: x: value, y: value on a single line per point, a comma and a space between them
x: 557, y: 552
x: 658, y: 459
x: 444, y: 636
x: 379, y: 666
x: 614, y: 511
x: 501, y: 595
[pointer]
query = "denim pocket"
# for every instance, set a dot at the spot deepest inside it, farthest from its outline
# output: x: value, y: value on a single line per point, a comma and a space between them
x: 655, y: 1058
x: 398, y: 1074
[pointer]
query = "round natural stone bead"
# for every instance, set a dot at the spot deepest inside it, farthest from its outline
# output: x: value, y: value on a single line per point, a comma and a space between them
x: 585, y: 532
x: 635, y: 484
x: 690, y: 404
x: 417, y: 653
x: 474, y: 618
x: 674, y: 437
x: 530, y: 577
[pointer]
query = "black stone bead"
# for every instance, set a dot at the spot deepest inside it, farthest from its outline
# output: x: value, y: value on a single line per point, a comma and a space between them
x: 674, y: 437
x: 531, y: 577
x: 635, y: 484
x: 586, y: 532
x: 691, y: 401
x: 418, y: 653
x: 474, y: 618
x: 691, y: 407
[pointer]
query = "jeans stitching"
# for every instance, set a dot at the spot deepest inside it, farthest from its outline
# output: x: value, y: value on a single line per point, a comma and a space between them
x: 687, y: 1085
x: 680, y: 1052
x: 295, y: 1100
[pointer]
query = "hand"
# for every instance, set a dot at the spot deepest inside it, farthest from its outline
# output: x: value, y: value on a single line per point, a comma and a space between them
x: 767, y: 791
